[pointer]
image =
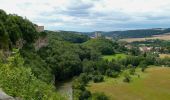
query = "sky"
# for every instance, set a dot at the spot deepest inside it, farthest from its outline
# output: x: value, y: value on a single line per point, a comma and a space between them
x: 92, y: 15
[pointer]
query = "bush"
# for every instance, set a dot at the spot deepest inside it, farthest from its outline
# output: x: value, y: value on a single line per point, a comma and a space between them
x: 84, y: 78
x: 143, y: 69
x: 127, y: 78
x: 85, y: 95
x: 98, y: 78
x: 100, y: 96
x: 132, y: 71
x: 113, y: 74
x: 109, y: 73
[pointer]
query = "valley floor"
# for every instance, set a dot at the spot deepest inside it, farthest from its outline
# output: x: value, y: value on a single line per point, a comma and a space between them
x: 154, y: 84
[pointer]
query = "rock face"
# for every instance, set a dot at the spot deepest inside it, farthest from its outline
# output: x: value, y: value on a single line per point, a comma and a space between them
x: 4, y: 96
x: 41, y: 42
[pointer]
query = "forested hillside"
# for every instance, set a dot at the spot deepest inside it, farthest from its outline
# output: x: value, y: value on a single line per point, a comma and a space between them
x: 15, y: 29
x: 18, y: 78
x: 140, y: 33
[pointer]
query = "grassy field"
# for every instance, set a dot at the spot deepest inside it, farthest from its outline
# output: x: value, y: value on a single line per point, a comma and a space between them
x: 164, y: 55
x: 161, y: 37
x: 154, y: 84
x: 115, y: 56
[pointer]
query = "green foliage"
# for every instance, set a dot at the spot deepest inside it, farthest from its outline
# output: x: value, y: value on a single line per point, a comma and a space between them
x: 79, y: 90
x: 65, y: 58
x: 132, y: 71
x: 38, y: 66
x: 19, y: 81
x: 114, y: 57
x: 13, y: 28
x: 85, y: 95
x: 101, y: 45
x: 73, y: 37
x: 98, y: 78
x: 3, y: 37
x: 111, y: 73
x: 127, y: 77
x: 99, y: 96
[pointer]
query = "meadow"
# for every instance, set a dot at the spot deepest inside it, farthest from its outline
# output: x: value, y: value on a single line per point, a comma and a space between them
x: 161, y: 37
x: 115, y: 56
x: 164, y: 55
x: 153, y: 84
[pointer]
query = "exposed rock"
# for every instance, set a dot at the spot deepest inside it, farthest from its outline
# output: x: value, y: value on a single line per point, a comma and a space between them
x: 41, y: 42
x: 4, y: 96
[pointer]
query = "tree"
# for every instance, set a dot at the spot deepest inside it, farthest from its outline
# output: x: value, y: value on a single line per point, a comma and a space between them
x: 98, y: 78
x: 85, y: 95
x: 18, y: 81
x: 4, y: 42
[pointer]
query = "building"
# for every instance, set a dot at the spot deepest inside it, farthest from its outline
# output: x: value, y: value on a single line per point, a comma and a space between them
x: 145, y: 49
x: 97, y: 35
x: 109, y: 38
x: 39, y: 28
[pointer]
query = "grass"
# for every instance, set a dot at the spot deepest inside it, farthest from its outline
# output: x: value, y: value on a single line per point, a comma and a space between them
x: 152, y: 85
x: 164, y: 55
x: 115, y: 56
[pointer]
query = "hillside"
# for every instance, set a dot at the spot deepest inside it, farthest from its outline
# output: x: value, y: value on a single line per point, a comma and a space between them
x: 165, y: 36
x: 139, y: 33
x: 15, y: 31
x: 153, y: 85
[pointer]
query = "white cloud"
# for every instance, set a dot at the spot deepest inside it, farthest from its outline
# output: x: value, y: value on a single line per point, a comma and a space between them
x: 89, y: 15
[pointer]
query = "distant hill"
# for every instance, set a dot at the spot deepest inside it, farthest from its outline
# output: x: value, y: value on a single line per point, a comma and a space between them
x: 139, y: 33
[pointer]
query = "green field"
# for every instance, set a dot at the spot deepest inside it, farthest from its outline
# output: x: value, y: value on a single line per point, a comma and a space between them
x: 154, y: 84
x: 115, y: 56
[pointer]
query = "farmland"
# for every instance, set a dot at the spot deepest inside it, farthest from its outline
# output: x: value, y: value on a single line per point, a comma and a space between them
x: 161, y: 37
x: 164, y: 55
x: 152, y: 85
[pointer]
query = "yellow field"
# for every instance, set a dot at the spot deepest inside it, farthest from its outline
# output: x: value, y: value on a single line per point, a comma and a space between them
x: 153, y: 85
x: 161, y: 37
x: 164, y: 55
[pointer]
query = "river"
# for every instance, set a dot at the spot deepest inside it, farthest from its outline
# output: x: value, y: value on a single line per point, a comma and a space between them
x: 65, y: 89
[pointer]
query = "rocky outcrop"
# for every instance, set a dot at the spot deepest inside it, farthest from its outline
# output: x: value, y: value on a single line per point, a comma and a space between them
x: 4, y: 96
x: 41, y: 42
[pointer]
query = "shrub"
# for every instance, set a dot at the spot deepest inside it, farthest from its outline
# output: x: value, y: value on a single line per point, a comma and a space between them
x: 85, y: 95
x: 132, y: 71
x: 100, y: 96
x: 143, y: 69
x: 127, y: 78
x: 113, y: 74
x: 98, y: 78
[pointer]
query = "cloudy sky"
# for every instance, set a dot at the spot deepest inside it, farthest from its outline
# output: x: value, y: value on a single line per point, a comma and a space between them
x: 92, y: 15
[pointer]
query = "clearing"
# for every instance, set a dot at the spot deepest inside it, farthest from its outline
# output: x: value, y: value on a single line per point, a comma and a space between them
x: 164, y: 55
x: 154, y: 84
x: 115, y: 57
